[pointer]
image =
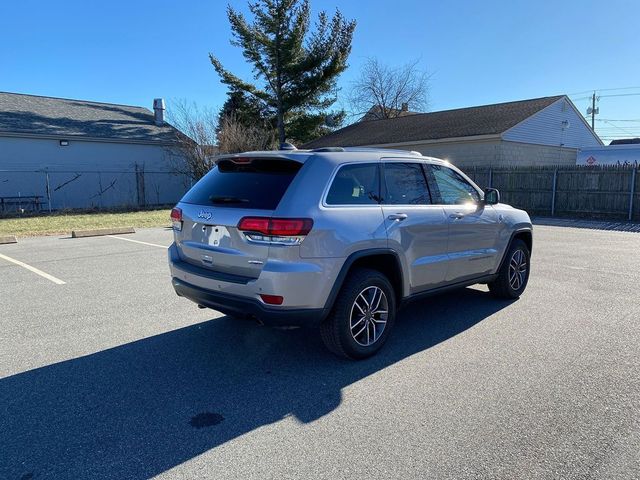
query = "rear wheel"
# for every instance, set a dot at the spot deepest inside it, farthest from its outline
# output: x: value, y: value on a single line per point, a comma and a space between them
x: 362, y: 316
x: 514, y: 273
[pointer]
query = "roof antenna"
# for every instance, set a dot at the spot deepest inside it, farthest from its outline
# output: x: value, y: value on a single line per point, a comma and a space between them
x: 287, y: 146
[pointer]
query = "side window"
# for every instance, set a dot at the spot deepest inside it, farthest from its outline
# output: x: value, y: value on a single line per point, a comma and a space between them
x: 356, y: 184
x: 405, y: 184
x: 450, y: 187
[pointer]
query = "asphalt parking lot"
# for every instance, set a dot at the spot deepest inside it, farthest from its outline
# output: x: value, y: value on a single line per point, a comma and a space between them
x: 105, y: 373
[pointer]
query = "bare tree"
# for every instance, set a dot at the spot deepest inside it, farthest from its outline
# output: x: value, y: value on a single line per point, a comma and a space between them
x: 195, y: 143
x: 382, y: 91
x: 235, y: 136
x: 201, y: 135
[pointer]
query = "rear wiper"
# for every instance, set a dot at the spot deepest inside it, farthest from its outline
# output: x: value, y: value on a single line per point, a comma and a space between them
x: 228, y: 200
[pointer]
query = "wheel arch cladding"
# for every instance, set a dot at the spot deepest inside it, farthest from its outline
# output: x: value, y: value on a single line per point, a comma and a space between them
x: 527, y: 237
x: 385, y: 261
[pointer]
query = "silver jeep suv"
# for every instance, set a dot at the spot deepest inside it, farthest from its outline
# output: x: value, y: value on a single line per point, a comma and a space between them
x: 340, y: 238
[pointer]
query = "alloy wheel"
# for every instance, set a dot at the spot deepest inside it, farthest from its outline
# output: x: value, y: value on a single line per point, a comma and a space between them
x: 517, y: 269
x: 369, y: 314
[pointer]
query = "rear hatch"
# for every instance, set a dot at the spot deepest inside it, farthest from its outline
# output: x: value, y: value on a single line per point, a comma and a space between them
x: 235, y: 188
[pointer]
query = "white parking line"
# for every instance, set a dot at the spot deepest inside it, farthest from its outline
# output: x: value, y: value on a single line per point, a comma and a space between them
x: 55, y: 280
x: 137, y: 241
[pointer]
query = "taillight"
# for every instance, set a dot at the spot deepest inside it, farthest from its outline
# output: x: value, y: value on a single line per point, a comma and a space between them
x: 288, y: 231
x: 290, y: 226
x: 254, y: 224
x: 176, y: 218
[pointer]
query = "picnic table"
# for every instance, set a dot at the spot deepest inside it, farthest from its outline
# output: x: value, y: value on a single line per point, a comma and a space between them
x: 27, y: 202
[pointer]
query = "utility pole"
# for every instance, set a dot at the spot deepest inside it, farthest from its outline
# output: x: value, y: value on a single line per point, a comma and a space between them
x: 593, y: 110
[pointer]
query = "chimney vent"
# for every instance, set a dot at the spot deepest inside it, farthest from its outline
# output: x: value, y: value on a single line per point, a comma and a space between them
x: 158, y: 110
x: 405, y: 107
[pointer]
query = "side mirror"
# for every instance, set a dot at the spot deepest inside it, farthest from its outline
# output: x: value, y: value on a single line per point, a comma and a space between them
x: 491, y: 196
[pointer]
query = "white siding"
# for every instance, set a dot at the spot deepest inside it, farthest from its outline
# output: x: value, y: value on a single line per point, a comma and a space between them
x: 546, y: 128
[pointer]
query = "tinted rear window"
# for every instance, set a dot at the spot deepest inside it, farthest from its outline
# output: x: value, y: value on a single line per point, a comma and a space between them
x: 259, y: 184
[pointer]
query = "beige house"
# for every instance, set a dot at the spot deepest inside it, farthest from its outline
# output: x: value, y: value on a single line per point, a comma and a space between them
x: 541, y: 131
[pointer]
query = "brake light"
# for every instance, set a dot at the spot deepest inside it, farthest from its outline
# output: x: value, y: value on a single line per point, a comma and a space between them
x: 176, y: 218
x: 290, y: 226
x: 254, y: 224
x: 288, y: 231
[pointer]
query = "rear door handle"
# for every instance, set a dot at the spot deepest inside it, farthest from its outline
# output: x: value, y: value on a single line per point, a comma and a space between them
x: 457, y: 215
x: 397, y: 216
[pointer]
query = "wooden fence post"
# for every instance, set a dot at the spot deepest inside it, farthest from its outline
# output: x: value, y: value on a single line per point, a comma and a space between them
x: 553, y: 192
x: 634, y: 173
x: 490, y: 177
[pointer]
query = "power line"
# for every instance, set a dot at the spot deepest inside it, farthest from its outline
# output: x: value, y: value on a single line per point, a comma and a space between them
x: 617, y: 119
x: 619, y: 132
x: 582, y: 98
x: 628, y: 132
x: 604, y: 90
x: 620, y: 95
x: 608, y: 139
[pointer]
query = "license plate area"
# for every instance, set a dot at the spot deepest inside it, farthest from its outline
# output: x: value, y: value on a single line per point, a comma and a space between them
x: 214, y: 235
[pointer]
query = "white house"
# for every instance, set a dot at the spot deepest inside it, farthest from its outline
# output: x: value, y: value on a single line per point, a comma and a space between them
x: 541, y: 131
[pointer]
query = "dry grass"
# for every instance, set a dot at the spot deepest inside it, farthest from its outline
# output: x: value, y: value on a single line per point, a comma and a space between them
x: 64, y: 223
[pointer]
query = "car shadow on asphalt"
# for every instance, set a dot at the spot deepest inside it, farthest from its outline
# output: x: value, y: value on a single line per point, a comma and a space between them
x: 137, y: 410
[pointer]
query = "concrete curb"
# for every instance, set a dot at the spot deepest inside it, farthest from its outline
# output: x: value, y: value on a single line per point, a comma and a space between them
x: 8, y: 239
x: 101, y: 231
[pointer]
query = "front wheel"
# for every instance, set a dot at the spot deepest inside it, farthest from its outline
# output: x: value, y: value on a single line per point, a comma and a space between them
x: 362, y: 316
x: 514, y: 273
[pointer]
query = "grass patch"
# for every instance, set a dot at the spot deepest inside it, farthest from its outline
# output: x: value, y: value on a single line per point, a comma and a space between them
x: 64, y: 223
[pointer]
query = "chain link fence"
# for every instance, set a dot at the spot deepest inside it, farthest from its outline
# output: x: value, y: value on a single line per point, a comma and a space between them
x: 46, y: 190
x: 606, y: 192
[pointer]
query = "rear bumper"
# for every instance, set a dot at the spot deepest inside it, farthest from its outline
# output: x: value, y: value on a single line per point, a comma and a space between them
x: 247, y: 307
x: 305, y: 286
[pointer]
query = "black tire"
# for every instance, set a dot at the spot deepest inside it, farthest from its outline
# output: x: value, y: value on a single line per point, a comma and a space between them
x: 506, y: 285
x: 336, y: 330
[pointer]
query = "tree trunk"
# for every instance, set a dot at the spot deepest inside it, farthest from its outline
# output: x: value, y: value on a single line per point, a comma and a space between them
x: 281, y: 135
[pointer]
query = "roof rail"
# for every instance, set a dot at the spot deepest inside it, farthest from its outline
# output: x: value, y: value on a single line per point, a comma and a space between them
x: 382, y: 150
x: 328, y: 149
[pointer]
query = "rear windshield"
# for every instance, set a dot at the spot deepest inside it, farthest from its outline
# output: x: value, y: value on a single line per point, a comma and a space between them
x: 259, y: 183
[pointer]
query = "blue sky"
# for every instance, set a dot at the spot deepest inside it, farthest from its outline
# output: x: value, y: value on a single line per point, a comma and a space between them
x: 477, y: 52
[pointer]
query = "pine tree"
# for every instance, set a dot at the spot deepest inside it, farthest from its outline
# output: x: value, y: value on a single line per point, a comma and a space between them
x: 298, y: 68
x: 247, y: 110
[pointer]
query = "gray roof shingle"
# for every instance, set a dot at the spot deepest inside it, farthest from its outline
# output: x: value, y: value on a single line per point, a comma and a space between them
x: 36, y: 115
x: 462, y: 122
